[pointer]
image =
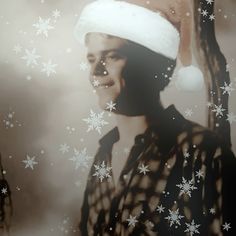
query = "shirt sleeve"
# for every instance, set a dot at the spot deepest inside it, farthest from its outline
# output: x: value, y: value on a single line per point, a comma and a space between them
x: 228, y: 191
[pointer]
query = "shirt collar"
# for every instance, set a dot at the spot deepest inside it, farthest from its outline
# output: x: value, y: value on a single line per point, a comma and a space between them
x: 170, y: 121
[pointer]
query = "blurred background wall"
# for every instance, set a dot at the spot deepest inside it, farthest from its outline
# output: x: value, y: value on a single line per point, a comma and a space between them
x: 41, y: 114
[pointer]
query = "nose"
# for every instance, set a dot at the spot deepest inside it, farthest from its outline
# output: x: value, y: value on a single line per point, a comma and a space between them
x: 100, y: 69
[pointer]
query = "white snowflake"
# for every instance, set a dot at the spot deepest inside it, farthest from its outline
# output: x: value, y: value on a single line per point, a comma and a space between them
x: 64, y: 148
x: 17, y: 48
x: 95, y: 83
x: 209, y: 1
x: 192, y: 228
x: 31, y: 57
x: 186, y: 154
x: 199, y: 174
x: 30, y: 162
x: 218, y: 110
x: 204, y: 12
x: 49, y: 68
x: 4, y: 191
x: 132, y: 220
x: 95, y: 121
x: 231, y: 117
x: 56, y: 14
x: 226, y: 226
x: 81, y: 159
x: 174, y: 217
x: 188, y: 112
x: 212, y: 211
x: 186, y: 187
x: 143, y: 169
x: 102, y: 171
x: 160, y: 209
x: 111, y: 106
x: 212, y: 17
x: 227, y: 88
x: 43, y: 26
x: 83, y: 66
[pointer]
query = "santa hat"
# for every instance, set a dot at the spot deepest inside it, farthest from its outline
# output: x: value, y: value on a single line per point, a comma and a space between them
x: 163, y: 26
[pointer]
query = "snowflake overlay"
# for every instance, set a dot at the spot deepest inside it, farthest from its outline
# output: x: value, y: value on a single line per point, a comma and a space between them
x: 43, y: 26
x: 186, y: 187
x: 227, y: 88
x: 64, y: 148
x: 132, y: 220
x: 49, y: 68
x: 111, y: 106
x: 226, y: 226
x: 30, y: 162
x: 95, y: 121
x: 218, y: 110
x: 80, y: 158
x: 231, y: 117
x: 102, y: 171
x: 174, y: 217
x: 192, y: 228
x: 31, y: 57
x: 143, y: 169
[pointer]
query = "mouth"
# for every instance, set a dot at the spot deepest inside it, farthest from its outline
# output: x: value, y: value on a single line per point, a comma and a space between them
x: 105, y: 85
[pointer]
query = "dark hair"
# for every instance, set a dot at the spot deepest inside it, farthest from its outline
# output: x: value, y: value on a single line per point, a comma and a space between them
x: 154, y: 68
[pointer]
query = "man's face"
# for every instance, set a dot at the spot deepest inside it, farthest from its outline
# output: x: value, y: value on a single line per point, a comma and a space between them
x: 107, y: 60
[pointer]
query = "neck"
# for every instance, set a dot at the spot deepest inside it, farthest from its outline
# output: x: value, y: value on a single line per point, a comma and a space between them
x: 129, y: 127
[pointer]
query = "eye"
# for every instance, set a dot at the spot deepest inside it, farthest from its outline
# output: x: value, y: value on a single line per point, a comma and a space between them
x: 91, y: 60
x: 114, y: 56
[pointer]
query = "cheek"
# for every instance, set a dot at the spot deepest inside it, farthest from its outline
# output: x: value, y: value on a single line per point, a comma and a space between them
x: 116, y: 69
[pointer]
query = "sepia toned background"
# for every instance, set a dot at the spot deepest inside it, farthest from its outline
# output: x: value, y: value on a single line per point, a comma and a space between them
x: 40, y: 113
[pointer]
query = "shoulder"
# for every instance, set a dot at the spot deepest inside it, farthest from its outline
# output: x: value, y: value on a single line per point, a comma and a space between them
x: 201, y: 138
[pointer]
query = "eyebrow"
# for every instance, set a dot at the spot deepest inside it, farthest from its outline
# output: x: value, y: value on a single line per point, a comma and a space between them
x: 105, y: 52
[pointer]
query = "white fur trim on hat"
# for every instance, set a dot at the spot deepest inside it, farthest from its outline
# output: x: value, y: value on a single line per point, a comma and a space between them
x: 129, y: 21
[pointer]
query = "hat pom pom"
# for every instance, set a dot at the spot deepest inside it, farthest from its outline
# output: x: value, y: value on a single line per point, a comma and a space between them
x: 190, y: 78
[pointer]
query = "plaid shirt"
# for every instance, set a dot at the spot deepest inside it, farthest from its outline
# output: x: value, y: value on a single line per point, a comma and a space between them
x: 171, y: 184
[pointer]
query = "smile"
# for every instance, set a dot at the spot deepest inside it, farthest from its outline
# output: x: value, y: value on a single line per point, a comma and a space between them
x: 106, y: 85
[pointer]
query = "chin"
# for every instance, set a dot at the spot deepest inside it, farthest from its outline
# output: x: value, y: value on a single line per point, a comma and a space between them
x: 102, y: 102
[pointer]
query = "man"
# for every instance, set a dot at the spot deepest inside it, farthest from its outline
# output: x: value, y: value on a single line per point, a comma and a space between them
x: 173, y: 180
